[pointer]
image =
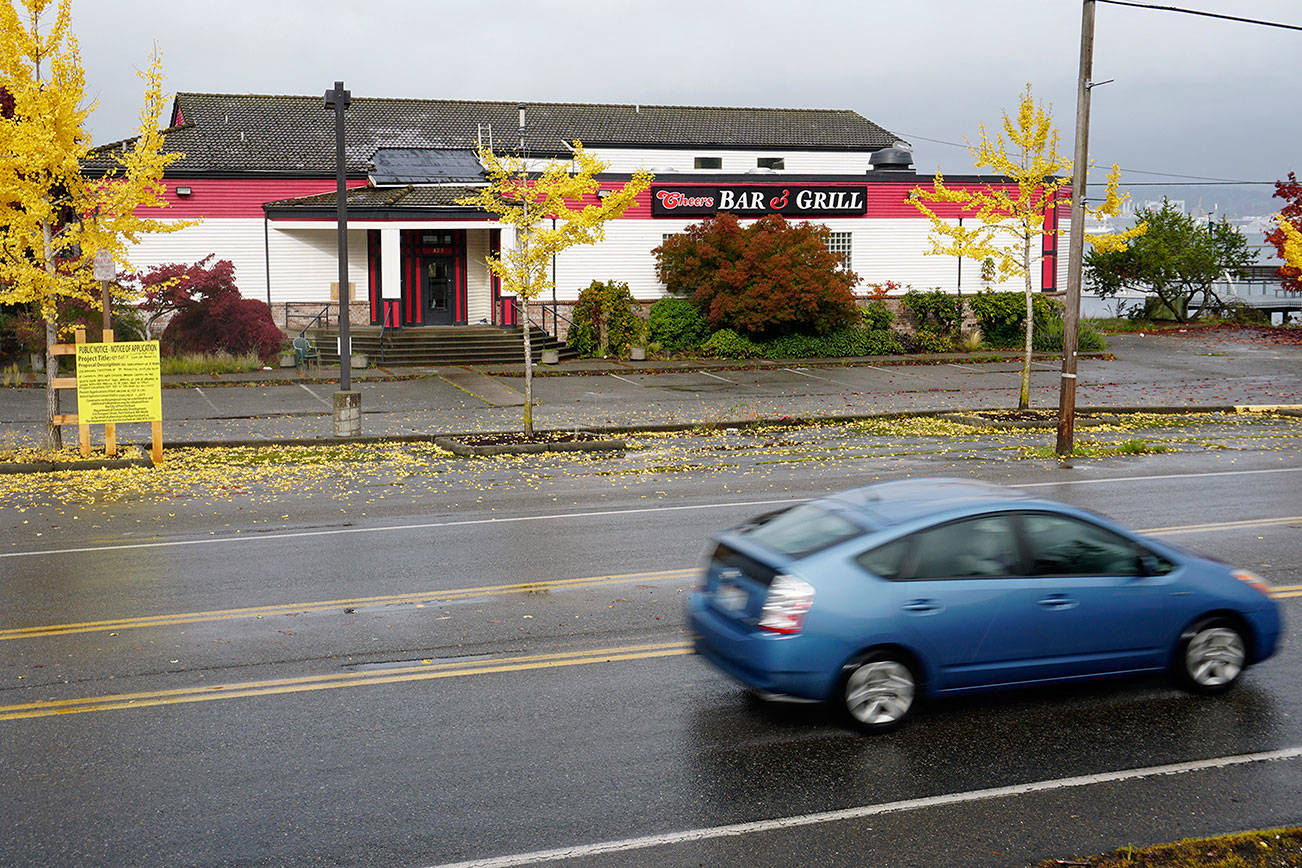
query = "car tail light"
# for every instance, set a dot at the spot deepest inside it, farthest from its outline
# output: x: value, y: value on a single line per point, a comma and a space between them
x: 1257, y: 582
x: 785, y: 606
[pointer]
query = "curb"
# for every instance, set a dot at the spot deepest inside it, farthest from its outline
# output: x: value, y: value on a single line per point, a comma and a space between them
x: 465, y: 450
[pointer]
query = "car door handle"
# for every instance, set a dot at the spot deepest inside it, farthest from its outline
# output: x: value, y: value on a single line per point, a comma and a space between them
x: 1058, y: 602
x: 921, y: 606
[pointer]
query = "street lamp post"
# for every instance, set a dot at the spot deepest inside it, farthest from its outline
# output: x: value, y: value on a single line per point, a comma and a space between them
x: 348, y: 403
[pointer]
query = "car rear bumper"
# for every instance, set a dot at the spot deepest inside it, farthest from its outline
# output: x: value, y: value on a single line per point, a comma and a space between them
x: 768, y: 662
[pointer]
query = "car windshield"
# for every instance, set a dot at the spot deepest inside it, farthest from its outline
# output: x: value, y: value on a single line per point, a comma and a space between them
x: 802, y: 530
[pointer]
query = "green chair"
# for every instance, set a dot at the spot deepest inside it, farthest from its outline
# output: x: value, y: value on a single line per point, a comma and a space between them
x: 304, y: 352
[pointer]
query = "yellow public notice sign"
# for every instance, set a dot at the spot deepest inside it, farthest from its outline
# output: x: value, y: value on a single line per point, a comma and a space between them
x: 119, y: 382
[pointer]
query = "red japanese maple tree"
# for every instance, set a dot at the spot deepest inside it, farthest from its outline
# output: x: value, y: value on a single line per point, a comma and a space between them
x: 1290, y: 191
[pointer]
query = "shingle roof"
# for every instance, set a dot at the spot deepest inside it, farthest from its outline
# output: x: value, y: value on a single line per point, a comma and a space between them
x: 256, y: 133
x: 363, y: 198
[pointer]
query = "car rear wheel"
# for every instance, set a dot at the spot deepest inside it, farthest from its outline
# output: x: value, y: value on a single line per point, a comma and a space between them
x: 1211, y: 656
x: 877, y: 691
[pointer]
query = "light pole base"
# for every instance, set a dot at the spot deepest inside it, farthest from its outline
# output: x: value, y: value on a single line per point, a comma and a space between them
x: 348, y: 413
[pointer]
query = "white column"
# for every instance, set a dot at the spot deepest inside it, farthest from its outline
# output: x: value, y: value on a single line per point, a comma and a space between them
x: 390, y: 264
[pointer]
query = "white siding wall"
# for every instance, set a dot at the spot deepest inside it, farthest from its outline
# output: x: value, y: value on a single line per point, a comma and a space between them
x: 239, y: 240
x: 683, y: 160
x: 479, y: 287
x: 304, y: 263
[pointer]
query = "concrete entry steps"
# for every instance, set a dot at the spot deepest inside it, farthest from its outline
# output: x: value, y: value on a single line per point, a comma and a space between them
x: 440, y: 345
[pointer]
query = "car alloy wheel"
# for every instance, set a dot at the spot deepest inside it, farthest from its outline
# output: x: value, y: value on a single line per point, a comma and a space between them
x: 1213, y: 656
x: 877, y: 692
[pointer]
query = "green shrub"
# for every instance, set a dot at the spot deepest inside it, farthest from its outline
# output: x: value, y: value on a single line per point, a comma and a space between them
x: 676, y: 325
x: 1001, y: 316
x: 727, y: 344
x: 851, y: 341
x: 604, y: 322
x: 882, y: 342
x: 876, y: 316
x: 936, y: 311
x: 930, y: 341
x: 1048, y: 337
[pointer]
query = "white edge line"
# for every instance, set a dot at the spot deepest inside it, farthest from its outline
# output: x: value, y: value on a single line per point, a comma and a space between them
x: 568, y: 515
x: 1157, y: 476
x: 738, y: 829
x: 398, y: 527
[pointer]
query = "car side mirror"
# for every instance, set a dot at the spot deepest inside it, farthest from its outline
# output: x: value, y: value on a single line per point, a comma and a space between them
x: 1149, y: 565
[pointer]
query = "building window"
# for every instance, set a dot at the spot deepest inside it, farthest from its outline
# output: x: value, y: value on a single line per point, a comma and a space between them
x: 709, y: 162
x: 770, y: 163
x: 838, y: 244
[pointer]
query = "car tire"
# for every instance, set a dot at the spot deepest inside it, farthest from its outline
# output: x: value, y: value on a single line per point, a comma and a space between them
x: 1210, y: 656
x: 877, y: 691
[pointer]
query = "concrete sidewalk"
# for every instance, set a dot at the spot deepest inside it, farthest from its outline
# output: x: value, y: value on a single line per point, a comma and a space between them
x: 1207, y: 369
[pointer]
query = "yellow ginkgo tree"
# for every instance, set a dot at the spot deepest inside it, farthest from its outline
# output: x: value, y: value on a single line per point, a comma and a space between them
x: 546, y: 208
x: 1010, y: 215
x: 55, y: 217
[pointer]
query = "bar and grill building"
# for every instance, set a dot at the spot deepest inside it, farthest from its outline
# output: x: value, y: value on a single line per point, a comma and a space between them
x: 258, y: 173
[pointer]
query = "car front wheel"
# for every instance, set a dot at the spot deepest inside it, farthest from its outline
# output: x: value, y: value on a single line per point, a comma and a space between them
x: 1211, y: 656
x: 877, y: 692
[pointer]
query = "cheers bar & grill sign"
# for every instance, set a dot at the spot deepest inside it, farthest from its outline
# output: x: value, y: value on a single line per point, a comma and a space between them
x: 691, y: 200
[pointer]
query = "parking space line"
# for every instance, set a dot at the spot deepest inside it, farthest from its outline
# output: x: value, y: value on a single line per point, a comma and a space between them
x: 625, y: 380
x: 725, y: 379
x: 811, y: 376
x: 737, y: 830
x: 206, y: 398
x: 313, y: 394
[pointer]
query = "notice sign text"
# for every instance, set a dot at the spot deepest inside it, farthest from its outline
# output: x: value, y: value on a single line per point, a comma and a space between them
x: 118, y: 383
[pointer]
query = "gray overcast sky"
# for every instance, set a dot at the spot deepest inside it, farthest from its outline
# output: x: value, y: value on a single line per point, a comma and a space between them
x: 1192, y: 96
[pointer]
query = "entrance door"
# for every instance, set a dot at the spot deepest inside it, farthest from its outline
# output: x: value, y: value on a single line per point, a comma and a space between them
x: 437, y: 286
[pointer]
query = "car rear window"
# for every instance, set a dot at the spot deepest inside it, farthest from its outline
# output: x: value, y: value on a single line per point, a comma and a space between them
x: 802, y: 530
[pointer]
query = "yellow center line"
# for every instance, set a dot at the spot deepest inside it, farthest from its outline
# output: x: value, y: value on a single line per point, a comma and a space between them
x: 423, y: 672
x: 354, y: 603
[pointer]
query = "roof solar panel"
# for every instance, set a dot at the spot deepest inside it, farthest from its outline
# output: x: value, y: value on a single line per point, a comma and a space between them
x: 425, y: 166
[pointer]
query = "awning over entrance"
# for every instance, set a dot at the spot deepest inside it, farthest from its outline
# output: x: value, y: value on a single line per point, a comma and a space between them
x: 424, y: 252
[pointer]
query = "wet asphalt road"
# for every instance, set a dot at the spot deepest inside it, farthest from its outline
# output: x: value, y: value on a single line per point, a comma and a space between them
x: 565, y: 713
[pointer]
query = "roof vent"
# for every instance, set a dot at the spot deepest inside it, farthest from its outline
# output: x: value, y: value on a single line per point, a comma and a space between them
x: 898, y: 158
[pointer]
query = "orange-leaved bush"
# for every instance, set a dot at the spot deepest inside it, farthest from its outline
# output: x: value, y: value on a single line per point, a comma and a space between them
x: 768, y: 278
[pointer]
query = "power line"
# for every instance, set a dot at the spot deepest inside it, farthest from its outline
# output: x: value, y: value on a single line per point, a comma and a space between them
x: 1200, y: 12
x: 1192, y: 178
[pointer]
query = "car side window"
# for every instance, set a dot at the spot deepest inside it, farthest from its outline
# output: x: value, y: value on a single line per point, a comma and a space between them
x: 981, y: 547
x: 886, y: 560
x: 1061, y: 545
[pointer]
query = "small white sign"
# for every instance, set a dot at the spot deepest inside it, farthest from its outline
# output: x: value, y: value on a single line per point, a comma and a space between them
x: 105, y: 268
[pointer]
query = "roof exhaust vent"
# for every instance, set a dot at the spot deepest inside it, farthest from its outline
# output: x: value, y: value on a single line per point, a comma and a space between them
x: 898, y: 158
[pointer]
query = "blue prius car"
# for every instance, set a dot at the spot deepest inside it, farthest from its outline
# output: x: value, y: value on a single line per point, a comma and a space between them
x: 881, y: 595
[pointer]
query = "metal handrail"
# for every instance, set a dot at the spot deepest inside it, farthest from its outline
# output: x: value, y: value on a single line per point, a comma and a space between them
x: 324, y: 312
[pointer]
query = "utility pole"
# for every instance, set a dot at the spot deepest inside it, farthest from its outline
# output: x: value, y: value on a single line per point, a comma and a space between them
x: 1076, y: 242
x: 348, y: 404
